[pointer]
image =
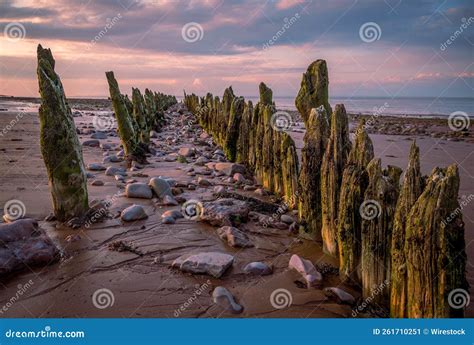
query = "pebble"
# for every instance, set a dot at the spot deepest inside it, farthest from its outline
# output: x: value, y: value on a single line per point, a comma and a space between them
x: 138, y: 190
x: 258, y: 268
x: 95, y: 167
x: 225, y: 299
x: 134, y: 212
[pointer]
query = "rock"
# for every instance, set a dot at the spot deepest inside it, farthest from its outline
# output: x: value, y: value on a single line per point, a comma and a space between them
x: 134, y: 212
x: 168, y: 200
x: 160, y: 186
x: 287, y: 219
x: 219, y: 189
x: 99, y: 135
x: 105, y: 146
x: 234, y: 237
x: 138, y: 190
x: 25, y: 244
x: 95, y: 167
x: 112, y: 171
x: 201, y: 161
x: 172, y: 213
x: 250, y: 188
x: 187, y: 151
x: 261, y: 192
x: 203, y: 182
x: 97, y: 183
x: 238, y: 177
x: 230, y: 168
x: 340, y: 295
x: 91, y: 143
x: 212, y: 263
x: 120, y: 178
x: 115, y: 159
x: 224, y: 298
x: 226, y: 211
x: 168, y: 220
x: 307, y: 270
x: 258, y: 268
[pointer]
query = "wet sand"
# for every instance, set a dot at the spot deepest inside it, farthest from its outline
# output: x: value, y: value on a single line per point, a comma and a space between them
x: 145, y: 285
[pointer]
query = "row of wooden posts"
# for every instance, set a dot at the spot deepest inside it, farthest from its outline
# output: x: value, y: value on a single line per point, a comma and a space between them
x: 402, y: 244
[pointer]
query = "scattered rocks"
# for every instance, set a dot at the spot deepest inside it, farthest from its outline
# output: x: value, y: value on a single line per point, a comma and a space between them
x: 134, y: 212
x: 234, y: 237
x: 138, y: 190
x: 225, y: 299
x: 307, y: 270
x: 212, y: 263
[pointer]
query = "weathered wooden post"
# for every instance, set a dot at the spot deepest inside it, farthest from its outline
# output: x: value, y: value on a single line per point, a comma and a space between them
x: 315, y: 141
x: 435, y: 250
x: 127, y: 131
x: 314, y: 90
x: 60, y: 146
x: 334, y: 162
x: 411, y: 189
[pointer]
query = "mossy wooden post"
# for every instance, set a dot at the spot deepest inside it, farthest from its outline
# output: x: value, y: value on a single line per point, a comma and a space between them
x: 266, y: 94
x: 141, y: 115
x: 227, y: 100
x: 289, y: 170
x: 334, y: 161
x: 232, y: 135
x: 314, y: 90
x: 435, y: 249
x: 60, y: 146
x: 412, y: 187
x: 353, y: 185
x: 122, y: 109
x: 245, y: 135
x: 315, y: 141
x: 377, y: 212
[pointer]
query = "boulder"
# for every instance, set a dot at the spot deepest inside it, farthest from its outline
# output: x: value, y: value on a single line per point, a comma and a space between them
x: 134, y: 212
x: 258, y: 268
x: 138, y: 190
x: 307, y: 270
x: 160, y: 186
x: 212, y: 263
x: 234, y: 237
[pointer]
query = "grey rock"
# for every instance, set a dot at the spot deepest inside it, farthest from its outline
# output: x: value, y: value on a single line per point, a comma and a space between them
x: 230, y: 168
x: 112, y: 171
x: 172, y: 213
x: 134, y: 212
x: 168, y: 220
x: 97, y: 183
x: 339, y: 295
x: 95, y: 167
x: 168, y: 200
x: 258, y: 268
x: 91, y: 143
x: 287, y: 219
x: 160, y: 186
x: 234, y: 237
x: 222, y: 297
x: 212, y: 263
x: 307, y: 270
x: 225, y: 211
x: 99, y: 135
x: 138, y: 190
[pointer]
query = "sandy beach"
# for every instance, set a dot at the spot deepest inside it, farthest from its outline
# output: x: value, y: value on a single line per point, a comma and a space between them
x: 142, y: 280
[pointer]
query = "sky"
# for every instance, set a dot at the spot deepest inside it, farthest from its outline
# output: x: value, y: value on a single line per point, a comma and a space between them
x: 377, y: 48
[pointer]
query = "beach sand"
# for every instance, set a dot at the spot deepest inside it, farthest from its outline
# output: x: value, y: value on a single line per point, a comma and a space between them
x: 145, y: 285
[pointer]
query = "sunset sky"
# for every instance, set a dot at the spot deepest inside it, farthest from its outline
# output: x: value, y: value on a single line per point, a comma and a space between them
x: 145, y: 45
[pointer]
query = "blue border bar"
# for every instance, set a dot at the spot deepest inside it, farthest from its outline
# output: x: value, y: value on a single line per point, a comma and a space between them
x: 237, y: 331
